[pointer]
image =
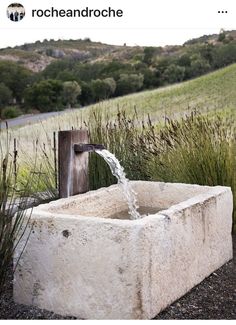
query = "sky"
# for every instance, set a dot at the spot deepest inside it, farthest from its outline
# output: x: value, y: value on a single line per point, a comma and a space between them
x: 141, y: 37
x: 150, y: 23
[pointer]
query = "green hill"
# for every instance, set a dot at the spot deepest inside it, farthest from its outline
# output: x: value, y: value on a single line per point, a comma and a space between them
x: 37, y: 56
x: 215, y: 92
x: 53, y: 75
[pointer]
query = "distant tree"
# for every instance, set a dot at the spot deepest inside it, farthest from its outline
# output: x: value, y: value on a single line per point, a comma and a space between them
x: 174, y: 73
x: 15, y: 77
x: 163, y: 63
x: 148, y: 55
x: 111, y: 86
x: 114, y: 69
x: 87, y: 40
x: 5, y: 96
x: 206, y: 52
x: 88, y: 72
x: 26, y: 47
x: 66, y: 75
x: 222, y: 36
x: 140, y: 66
x: 54, y: 69
x: 199, y: 65
x: 71, y: 90
x: 184, y: 60
x: 151, y: 77
x: 86, y: 96
x: 103, y: 89
x: 224, y: 55
x: 99, y: 89
x: 129, y: 83
x: 45, y: 95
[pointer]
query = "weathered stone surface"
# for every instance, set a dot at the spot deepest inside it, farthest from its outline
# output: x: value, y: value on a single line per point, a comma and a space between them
x: 79, y: 262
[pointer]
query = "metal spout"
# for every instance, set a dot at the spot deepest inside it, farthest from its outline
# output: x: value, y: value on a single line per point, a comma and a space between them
x: 84, y: 147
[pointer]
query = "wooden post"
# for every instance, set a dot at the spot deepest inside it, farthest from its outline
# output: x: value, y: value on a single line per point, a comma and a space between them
x: 15, y: 160
x: 73, y: 167
x: 55, y: 159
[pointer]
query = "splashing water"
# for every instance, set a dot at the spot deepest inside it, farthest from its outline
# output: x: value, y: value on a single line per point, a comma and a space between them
x: 118, y: 171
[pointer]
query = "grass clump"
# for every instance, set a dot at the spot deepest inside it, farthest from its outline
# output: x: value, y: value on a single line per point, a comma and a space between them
x: 196, y: 150
x: 15, y: 198
x: 9, y: 226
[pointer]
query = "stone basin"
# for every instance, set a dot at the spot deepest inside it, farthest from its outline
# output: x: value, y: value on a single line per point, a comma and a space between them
x: 82, y: 260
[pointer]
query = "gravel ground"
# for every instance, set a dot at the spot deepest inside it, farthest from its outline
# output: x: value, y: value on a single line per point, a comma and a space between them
x: 214, y: 298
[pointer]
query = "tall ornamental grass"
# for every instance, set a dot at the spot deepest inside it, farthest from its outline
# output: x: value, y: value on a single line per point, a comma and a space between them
x: 13, y: 202
x: 196, y: 149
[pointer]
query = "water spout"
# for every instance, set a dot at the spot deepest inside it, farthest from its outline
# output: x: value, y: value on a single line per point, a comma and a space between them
x: 85, y: 147
x: 118, y: 171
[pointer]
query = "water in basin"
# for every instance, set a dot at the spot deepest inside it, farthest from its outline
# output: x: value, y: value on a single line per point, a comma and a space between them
x: 143, y: 211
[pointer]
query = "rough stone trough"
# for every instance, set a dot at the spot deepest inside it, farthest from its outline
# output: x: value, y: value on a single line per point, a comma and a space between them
x: 81, y: 262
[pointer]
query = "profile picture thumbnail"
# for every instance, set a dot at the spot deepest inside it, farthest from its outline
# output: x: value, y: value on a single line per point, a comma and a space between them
x: 15, y: 12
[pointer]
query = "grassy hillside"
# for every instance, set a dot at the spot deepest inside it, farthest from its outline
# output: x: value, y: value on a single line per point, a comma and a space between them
x: 199, y: 150
x: 37, y: 56
x: 43, y: 53
x: 215, y: 92
x: 54, y: 75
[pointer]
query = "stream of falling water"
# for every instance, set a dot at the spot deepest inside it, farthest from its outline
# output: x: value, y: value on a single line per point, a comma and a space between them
x: 118, y: 171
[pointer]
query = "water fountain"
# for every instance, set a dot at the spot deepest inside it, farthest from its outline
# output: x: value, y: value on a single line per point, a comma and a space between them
x: 88, y: 258
x: 118, y: 171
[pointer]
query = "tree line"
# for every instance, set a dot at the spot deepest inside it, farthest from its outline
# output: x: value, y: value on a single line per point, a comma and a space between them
x: 70, y: 83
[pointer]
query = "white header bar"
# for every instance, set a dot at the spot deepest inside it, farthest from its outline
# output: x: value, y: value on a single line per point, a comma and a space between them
x: 136, y: 14
x: 149, y: 22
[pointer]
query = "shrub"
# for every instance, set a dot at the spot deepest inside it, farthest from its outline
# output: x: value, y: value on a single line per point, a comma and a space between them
x: 129, y: 83
x: 5, y: 95
x: 15, y: 77
x: 11, y: 112
x: 174, y: 73
x: 103, y: 89
x: 86, y: 96
x: 71, y: 90
x: 45, y: 95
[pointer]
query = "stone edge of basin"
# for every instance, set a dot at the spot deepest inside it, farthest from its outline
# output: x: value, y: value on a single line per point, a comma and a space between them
x: 212, y: 191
